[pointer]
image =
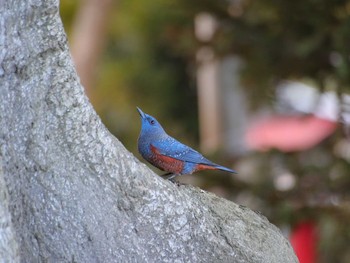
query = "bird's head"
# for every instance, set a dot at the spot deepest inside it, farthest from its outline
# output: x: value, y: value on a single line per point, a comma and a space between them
x: 149, y: 125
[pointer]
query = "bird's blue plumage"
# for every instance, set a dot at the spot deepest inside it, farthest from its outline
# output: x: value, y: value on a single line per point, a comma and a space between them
x: 173, y: 148
x: 168, y: 154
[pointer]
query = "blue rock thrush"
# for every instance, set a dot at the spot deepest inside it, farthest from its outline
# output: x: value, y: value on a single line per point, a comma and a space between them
x: 168, y: 154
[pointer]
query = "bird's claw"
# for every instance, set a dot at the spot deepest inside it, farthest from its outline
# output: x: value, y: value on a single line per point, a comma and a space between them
x: 171, y: 177
x: 177, y: 183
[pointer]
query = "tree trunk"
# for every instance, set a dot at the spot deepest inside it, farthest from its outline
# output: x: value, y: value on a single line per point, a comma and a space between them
x: 8, y: 245
x: 88, y: 38
x: 75, y: 193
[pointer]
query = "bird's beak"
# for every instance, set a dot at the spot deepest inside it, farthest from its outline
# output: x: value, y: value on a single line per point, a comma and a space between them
x: 142, y: 114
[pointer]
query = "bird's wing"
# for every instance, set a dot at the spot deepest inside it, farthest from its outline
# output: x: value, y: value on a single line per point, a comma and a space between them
x: 175, y: 149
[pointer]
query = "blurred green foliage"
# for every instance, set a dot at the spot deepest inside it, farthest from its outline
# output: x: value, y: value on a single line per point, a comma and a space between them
x: 149, y: 60
x: 283, y: 39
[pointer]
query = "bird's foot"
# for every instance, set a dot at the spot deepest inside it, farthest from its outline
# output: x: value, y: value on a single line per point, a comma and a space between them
x: 177, y: 183
x: 171, y: 178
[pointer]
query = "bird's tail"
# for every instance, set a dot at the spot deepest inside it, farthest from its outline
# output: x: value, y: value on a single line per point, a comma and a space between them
x: 223, y: 168
x: 208, y: 165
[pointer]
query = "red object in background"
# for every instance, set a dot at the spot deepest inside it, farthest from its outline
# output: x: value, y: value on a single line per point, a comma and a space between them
x: 289, y: 133
x: 304, y: 240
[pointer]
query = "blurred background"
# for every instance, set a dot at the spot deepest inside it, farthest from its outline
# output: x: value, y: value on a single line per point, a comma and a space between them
x: 259, y: 86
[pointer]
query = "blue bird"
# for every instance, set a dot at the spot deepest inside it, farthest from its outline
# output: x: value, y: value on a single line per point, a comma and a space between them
x: 168, y: 154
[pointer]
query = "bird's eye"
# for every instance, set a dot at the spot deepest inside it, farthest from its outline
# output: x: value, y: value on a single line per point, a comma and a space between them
x: 152, y: 122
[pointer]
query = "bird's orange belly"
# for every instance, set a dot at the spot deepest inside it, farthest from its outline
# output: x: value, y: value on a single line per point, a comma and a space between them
x: 167, y: 163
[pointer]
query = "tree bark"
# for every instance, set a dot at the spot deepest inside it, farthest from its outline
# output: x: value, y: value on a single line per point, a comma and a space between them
x: 8, y: 244
x: 75, y: 193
